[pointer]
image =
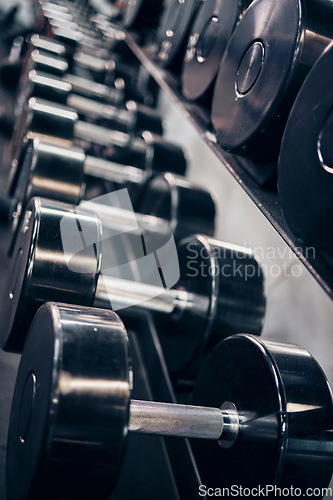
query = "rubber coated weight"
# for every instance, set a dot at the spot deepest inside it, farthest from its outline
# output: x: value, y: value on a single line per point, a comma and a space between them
x: 306, y: 158
x: 64, y: 439
x: 49, y: 171
x: 39, y: 234
x: 209, y: 35
x: 284, y: 404
x: 173, y: 32
x: 54, y: 122
x: 176, y: 199
x: 267, y: 59
x: 141, y: 14
x: 230, y: 284
x: 221, y: 292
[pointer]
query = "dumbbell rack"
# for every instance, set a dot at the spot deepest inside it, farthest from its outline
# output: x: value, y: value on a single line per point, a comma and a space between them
x: 248, y: 175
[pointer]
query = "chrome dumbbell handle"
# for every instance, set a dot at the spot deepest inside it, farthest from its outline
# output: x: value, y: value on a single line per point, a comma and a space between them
x: 186, y: 421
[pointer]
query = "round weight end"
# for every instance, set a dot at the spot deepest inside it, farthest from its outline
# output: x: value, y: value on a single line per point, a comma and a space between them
x: 256, y: 71
x: 305, y: 172
x: 183, y: 333
x: 40, y: 85
x: 52, y: 172
x: 173, y: 31
x: 145, y: 119
x: 49, y: 262
x: 164, y: 156
x: 225, y: 287
x: 283, y: 401
x: 63, y: 441
x: 208, y: 39
x: 187, y: 208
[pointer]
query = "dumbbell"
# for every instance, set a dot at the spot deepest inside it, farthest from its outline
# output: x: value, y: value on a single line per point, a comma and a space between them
x: 54, y: 122
x: 272, y: 49
x: 208, y: 38
x: 305, y: 165
x: 222, y: 293
x: 134, y: 119
x: 261, y: 411
x: 102, y: 67
x: 173, y: 32
x: 64, y: 174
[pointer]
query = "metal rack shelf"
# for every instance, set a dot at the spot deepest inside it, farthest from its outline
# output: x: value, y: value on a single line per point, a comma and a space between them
x: 319, y: 263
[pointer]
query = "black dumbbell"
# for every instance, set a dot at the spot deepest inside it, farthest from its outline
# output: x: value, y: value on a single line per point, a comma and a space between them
x: 173, y: 32
x: 47, y: 120
x: 265, y: 414
x: 64, y: 174
x: 57, y: 255
x: 134, y: 119
x: 306, y: 158
x: 74, y: 31
x: 208, y: 38
x: 268, y: 57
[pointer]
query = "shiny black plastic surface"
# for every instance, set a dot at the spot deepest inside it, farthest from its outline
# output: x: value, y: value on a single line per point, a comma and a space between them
x: 70, y: 407
x: 228, y: 297
x: 305, y: 171
x: 269, y: 54
x: 285, y: 409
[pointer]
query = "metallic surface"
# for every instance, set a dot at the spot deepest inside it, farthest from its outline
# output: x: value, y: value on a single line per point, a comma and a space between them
x: 75, y: 425
x: 55, y: 122
x: 292, y: 34
x: 39, y: 260
x: 187, y: 207
x: 305, y: 164
x: 208, y: 38
x: 141, y: 14
x: 167, y: 419
x: 173, y: 32
x: 227, y: 284
x: 285, y: 411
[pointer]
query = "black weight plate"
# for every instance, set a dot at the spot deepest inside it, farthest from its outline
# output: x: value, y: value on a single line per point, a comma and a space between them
x: 225, y: 286
x: 207, y: 42
x: 254, y: 74
x: 69, y: 414
x: 285, y: 411
x: 183, y: 333
x: 173, y: 31
x: 39, y: 259
x: 305, y: 172
x: 188, y: 208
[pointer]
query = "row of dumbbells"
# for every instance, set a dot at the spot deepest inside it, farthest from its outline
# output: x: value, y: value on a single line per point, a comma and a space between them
x: 72, y: 407
x: 263, y: 70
